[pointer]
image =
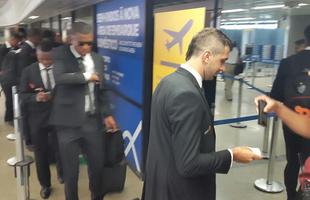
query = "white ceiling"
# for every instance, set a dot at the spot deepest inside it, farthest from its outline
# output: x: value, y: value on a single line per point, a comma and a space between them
x: 271, y: 14
x: 51, y: 8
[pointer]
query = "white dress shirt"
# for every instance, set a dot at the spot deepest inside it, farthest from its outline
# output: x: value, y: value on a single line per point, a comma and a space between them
x: 8, y: 45
x: 89, y: 70
x: 44, y: 73
x: 199, y: 81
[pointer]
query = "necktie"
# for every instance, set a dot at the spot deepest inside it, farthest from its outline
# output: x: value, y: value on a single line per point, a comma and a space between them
x: 88, y: 93
x: 48, y: 80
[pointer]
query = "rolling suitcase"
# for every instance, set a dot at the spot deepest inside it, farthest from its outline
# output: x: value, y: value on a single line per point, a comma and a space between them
x: 115, y: 164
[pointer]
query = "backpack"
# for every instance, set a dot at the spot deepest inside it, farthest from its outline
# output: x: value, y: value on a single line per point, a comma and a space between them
x: 304, y: 181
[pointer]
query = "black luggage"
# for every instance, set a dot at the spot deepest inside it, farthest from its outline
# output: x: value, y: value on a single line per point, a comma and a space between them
x: 114, y: 177
x: 115, y: 164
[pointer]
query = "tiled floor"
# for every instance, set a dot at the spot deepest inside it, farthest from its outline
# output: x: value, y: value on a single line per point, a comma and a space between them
x: 236, y: 185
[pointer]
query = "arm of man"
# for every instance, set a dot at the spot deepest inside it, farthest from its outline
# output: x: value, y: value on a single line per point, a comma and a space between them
x: 104, y: 100
x: 298, y: 123
x: 26, y: 95
x: 185, y: 114
x: 62, y: 73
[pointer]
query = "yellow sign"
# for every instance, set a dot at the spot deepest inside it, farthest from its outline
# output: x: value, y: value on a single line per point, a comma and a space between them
x: 173, y: 33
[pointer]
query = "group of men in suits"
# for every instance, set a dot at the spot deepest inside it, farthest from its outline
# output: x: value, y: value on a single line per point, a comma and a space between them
x: 64, y: 98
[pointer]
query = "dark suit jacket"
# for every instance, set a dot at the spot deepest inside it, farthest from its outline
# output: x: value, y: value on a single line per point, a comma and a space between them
x: 181, y: 161
x: 25, y: 57
x: 31, y: 81
x: 3, y: 51
x: 69, y: 99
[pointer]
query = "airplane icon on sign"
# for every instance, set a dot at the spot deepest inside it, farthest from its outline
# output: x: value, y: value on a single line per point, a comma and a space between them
x: 178, y: 36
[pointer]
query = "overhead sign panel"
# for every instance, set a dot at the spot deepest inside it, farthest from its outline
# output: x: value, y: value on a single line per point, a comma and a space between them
x: 173, y: 33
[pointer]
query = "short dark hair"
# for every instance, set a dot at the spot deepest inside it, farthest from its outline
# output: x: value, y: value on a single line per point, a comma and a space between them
x: 45, y: 46
x: 300, y: 42
x: 307, y: 33
x: 16, y: 35
x: 48, y: 34
x: 209, y: 38
x: 80, y: 27
x: 34, y: 32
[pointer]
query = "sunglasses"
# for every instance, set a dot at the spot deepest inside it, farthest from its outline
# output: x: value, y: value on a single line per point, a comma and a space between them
x: 90, y: 43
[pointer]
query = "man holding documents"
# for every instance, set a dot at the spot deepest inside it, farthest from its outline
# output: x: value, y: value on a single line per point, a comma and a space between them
x: 182, y: 161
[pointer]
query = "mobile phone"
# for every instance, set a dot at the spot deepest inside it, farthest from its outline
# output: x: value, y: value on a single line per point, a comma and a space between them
x: 262, y: 116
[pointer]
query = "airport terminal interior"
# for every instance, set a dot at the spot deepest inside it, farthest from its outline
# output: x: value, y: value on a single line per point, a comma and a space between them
x: 138, y: 41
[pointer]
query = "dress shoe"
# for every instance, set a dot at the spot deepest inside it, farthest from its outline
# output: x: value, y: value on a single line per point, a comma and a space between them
x: 45, y: 192
x: 60, y: 180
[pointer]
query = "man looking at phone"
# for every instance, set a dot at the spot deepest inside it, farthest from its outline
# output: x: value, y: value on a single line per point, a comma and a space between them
x: 36, y: 86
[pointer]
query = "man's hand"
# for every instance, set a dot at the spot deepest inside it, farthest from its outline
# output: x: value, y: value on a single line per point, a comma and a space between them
x: 94, y: 78
x: 110, y: 124
x: 43, y: 97
x: 271, y: 104
x: 244, y: 155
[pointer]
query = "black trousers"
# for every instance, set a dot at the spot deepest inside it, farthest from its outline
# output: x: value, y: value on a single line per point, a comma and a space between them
x: 87, y: 139
x: 40, y: 138
x: 9, y: 115
x: 295, y: 146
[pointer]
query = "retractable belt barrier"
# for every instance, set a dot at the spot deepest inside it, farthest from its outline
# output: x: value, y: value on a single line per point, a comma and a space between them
x: 20, y: 162
x: 268, y: 184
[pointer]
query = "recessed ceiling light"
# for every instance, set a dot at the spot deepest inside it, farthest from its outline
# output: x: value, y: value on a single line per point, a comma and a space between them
x: 234, y: 10
x: 33, y: 17
x: 66, y: 18
x: 303, y: 4
x: 244, y: 18
x: 268, y: 7
x: 265, y: 16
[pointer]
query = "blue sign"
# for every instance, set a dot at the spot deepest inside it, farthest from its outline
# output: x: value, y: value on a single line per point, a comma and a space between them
x: 120, y: 40
x: 129, y: 118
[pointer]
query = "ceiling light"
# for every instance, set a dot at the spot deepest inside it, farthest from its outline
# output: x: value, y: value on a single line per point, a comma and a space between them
x: 265, y: 17
x: 33, y: 17
x: 234, y: 10
x: 303, y: 4
x: 66, y: 18
x: 268, y: 7
x: 244, y: 18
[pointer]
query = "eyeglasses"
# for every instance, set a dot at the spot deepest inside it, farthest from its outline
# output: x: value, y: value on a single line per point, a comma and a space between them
x: 90, y: 43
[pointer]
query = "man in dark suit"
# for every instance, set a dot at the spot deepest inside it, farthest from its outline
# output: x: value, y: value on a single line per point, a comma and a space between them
x: 25, y: 56
x: 36, y: 87
x: 292, y: 87
x: 181, y: 161
x: 7, y: 73
x: 27, y: 53
x: 81, y: 110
